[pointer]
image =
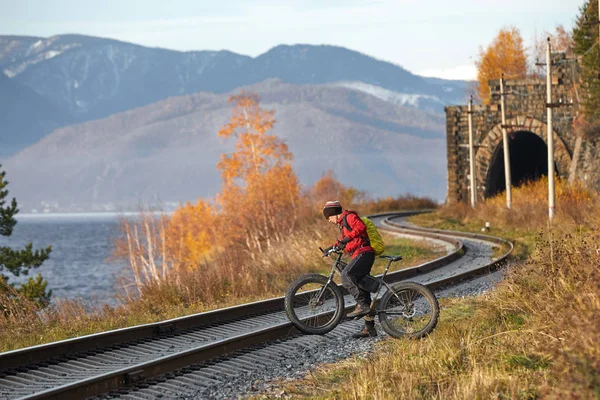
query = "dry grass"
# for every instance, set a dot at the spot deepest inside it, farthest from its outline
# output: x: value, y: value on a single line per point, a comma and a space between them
x: 576, y: 208
x: 536, y: 336
x: 230, y: 275
x: 230, y: 270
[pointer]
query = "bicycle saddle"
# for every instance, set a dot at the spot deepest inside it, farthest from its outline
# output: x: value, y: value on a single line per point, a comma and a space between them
x: 393, y: 258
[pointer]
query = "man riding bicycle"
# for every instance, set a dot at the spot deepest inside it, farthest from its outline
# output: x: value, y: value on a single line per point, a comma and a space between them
x: 355, y: 240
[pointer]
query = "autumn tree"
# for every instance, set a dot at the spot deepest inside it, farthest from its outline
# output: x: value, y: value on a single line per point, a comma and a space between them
x: 329, y: 188
x: 586, y: 45
x: 191, y: 233
x: 19, y: 262
x: 260, y: 193
x: 505, y: 55
x: 258, y: 205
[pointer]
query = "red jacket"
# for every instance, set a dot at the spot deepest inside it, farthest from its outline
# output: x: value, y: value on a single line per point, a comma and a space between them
x: 357, y: 233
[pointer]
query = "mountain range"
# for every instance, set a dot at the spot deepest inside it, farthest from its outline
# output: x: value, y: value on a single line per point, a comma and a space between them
x: 90, y: 121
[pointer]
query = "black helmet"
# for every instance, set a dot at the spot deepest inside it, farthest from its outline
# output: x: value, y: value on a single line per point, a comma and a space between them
x: 332, y: 208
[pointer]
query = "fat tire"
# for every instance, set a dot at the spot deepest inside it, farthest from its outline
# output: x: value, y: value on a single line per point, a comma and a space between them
x: 427, y: 294
x: 289, y: 304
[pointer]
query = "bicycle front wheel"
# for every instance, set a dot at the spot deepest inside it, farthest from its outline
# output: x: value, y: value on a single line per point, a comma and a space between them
x: 409, y: 310
x: 313, y: 305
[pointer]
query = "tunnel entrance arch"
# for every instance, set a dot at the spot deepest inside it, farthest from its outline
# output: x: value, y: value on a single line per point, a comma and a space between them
x: 528, y: 155
x: 528, y: 162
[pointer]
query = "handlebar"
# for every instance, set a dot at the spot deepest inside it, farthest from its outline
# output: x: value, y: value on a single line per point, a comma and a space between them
x: 327, y: 253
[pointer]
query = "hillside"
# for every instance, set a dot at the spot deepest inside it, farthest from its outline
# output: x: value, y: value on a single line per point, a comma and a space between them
x: 88, y: 78
x: 168, y: 150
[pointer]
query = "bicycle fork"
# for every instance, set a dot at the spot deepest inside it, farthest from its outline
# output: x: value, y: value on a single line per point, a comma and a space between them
x: 319, y: 296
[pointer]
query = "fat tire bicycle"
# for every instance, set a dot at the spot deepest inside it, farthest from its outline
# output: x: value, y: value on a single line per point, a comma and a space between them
x: 314, y: 303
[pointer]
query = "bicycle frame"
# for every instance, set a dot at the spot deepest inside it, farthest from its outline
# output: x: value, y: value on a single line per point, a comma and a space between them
x: 339, y: 265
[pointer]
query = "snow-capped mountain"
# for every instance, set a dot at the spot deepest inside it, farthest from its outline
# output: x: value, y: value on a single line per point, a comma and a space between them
x: 423, y: 101
x: 92, y: 77
x: 139, y: 121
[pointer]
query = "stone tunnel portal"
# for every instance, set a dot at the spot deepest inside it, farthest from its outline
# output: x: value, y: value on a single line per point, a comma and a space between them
x: 528, y: 162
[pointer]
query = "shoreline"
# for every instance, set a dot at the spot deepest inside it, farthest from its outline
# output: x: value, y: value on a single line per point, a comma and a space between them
x: 84, y: 215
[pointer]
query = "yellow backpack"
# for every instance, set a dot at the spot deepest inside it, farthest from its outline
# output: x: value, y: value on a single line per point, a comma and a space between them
x: 375, y: 239
x: 374, y: 236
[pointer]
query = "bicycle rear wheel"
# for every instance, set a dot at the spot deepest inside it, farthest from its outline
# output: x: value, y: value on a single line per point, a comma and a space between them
x: 409, y: 310
x: 314, y: 306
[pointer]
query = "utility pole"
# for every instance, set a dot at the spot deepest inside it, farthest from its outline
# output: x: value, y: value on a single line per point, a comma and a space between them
x: 507, y: 177
x: 472, y: 155
x: 550, y: 135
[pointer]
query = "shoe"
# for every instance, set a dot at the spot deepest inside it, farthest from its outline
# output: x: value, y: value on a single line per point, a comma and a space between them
x: 367, y: 331
x: 359, y: 311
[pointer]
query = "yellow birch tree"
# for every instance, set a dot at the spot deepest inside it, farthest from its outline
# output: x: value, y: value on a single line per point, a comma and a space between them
x: 505, y: 54
x: 260, y: 194
x: 191, y: 234
x: 329, y: 188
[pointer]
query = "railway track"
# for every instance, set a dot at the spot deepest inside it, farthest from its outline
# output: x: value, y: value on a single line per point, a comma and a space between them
x: 202, y: 349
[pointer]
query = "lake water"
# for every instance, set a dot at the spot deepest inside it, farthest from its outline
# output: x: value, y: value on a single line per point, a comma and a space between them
x: 79, y: 265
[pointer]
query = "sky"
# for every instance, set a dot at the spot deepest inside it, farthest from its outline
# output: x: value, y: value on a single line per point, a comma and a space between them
x: 438, y: 38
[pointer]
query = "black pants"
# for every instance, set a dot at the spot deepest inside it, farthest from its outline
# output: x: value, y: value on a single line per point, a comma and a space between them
x: 358, y: 268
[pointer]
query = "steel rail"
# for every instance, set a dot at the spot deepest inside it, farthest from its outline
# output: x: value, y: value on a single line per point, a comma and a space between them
x: 448, y: 233
x: 46, y: 352
x: 120, y: 338
x: 113, y: 380
x: 496, y: 262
